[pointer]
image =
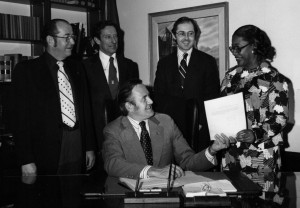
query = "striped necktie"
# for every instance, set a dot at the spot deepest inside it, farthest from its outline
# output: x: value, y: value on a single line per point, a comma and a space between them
x: 183, y: 69
x: 66, y: 96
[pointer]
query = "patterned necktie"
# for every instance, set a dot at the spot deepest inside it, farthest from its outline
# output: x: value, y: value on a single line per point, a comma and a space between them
x: 112, y: 78
x: 146, y: 143
x: 66, y: 96
x: 183, y: 69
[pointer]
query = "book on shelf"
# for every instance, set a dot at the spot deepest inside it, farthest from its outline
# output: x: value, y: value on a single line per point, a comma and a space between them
x: 15, y: 58
x: 73, y: 2
x: 1, y: 68
x: 19, y: 27
x: 7, y: 69
x: 7, y: 64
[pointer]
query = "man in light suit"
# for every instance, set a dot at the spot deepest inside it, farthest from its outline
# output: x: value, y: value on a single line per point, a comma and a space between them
x: 98, y: 73
x: 173, y: 89
x: 46, y: 142
x: 124, y: 154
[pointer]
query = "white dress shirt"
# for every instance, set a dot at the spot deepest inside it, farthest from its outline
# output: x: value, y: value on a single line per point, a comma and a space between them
x: 105, y: 63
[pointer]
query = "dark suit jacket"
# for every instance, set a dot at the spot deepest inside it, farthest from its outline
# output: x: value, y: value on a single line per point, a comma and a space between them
x: 37, y: 120
x: 201, y: 83
x: 99, y: 89
x: 124, y: 157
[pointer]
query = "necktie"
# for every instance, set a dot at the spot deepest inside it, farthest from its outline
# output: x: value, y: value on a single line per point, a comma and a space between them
x: 66, y: 96
x: 146, y: 143
x: 112, y: 78
x: 183, y: 69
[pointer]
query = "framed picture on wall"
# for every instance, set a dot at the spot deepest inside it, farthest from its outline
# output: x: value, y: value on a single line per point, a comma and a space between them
x: 213, y: 22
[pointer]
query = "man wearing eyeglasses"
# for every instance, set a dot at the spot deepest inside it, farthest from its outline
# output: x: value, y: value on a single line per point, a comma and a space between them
x: 184, y: 75
x: 106, y: 71
x: 52, y: 122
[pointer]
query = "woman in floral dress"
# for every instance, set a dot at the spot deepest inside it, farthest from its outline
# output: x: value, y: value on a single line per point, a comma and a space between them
x: 265, y: 93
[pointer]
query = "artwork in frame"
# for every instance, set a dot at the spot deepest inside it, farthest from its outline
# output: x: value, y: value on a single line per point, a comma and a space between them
x: 213, y: 22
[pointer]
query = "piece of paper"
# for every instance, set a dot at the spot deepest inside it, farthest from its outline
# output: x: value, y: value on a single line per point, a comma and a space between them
x: 149, y: 183
x: 188, y: 178
x: 208, y: 188
x: 225, y: 115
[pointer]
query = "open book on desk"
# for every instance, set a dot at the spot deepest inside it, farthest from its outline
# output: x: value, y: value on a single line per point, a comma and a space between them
x: 218, y: 180
x: 149, y: 183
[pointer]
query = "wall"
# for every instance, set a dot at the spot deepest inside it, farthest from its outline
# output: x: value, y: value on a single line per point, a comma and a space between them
x: 278, y: 18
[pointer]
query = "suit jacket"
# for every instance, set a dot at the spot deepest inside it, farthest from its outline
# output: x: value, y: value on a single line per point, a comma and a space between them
x: 37, y: 120
x: 201, y: 83
x: 99, y: 89
x: 124, y: 157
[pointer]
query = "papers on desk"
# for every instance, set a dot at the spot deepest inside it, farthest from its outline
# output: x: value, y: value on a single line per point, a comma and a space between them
x: 149, y: 183
x: 192, y: 185
x: 225, y: 115
x: 211, y: 188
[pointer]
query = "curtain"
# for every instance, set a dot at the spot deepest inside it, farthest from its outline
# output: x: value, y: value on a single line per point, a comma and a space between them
x: 109, y: 11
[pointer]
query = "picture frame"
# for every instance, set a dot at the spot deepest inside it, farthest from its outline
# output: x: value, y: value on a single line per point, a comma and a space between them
x: 213, y: 22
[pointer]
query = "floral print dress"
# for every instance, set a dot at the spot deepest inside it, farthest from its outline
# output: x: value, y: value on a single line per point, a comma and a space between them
x: 265, y: 93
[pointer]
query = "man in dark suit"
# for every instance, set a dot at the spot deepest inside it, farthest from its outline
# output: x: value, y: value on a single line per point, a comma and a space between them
x: 103, y: 79
x: 143, y: 144
x: 53, y: 126
x: 181, y: 78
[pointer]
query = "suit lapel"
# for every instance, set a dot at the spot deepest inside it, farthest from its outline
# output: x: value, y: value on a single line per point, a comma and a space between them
x: 157, y: 139
x: 99, y: 72
x: 132, y: 141
x: 121, y: 66
x: 193, y: 64
x: 174, y: 73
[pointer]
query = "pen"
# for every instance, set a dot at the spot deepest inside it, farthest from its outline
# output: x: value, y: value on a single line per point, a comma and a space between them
x: 169, y: 179
x: 174, y: 172
x: 137, y: 185
x: 100, y: 194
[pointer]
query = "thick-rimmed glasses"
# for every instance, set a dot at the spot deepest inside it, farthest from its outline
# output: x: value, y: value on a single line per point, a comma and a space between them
x: 67, y: 38
x: 237, y: 49
x: 182, y: 34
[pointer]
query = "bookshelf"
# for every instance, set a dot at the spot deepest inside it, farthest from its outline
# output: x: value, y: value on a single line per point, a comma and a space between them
x: 22, y: 21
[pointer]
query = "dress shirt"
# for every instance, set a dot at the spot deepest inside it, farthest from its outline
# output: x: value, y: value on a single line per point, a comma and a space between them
x: 105, y: 63
x: 180, y: 56
x: 138, y: 130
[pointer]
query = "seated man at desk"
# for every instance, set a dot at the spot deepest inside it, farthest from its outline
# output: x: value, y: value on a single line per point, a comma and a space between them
x: 143, y: 144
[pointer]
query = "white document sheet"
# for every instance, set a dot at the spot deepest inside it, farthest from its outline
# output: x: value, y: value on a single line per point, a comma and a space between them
x: 225, y: 115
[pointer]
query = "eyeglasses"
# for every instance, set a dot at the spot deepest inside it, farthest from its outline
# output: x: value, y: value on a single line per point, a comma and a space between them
x: 237, y: 49
x: 110, y: 37
x: 182, y: 34
x: 67, y: 38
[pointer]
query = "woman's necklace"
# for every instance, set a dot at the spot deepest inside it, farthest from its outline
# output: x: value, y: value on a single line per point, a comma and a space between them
x: 252, y: 69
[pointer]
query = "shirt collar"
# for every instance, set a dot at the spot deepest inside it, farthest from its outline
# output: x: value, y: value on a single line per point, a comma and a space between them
x: 180, y: 55
x: 105, y: 57
x: 135, y: 123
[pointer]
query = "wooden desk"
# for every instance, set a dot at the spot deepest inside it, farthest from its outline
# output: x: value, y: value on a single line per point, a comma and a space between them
x: 65, y: 191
